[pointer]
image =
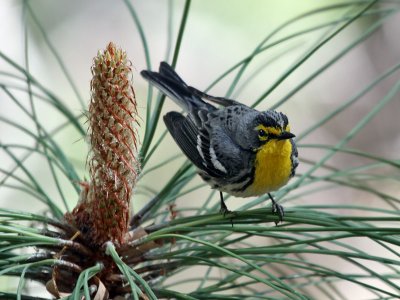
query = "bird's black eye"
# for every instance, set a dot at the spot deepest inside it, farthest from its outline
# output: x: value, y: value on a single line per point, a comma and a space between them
x: 262, y: 133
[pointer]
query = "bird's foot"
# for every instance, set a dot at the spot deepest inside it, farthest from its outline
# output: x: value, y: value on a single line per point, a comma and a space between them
x: 277, y: 209
x: 231, y: 214
x: 224, y: 209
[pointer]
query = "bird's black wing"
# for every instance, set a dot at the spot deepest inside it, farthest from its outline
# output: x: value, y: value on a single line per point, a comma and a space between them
x: 193, y: 141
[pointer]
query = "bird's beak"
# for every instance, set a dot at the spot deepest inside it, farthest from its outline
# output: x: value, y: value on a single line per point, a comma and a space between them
x: 285, y: 135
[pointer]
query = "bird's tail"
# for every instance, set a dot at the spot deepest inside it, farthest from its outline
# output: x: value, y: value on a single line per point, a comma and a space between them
x: 169, y: 82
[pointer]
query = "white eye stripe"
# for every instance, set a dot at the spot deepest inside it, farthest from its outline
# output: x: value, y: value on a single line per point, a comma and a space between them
x: 216, y: 163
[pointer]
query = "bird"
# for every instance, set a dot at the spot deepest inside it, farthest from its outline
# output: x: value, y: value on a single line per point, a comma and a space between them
x: 236, y: 149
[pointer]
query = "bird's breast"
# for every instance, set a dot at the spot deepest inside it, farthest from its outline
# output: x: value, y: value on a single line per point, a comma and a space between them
x: 272, y: 167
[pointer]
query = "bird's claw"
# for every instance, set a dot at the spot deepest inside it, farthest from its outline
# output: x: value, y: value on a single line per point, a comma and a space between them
x: 278, y: 209
x: 224, y: 210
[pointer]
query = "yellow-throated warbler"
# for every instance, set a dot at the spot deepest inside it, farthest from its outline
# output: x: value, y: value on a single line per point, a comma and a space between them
x: 236, y: 149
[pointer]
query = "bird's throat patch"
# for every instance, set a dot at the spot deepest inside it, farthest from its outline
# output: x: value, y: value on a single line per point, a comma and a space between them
x: 272, y: 166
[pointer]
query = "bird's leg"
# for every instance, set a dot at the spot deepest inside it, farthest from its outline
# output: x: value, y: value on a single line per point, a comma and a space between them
x: 224, y: 209
x: 277, y: 208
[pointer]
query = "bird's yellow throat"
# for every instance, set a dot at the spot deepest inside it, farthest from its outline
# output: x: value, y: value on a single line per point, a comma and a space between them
x: 272, y: 166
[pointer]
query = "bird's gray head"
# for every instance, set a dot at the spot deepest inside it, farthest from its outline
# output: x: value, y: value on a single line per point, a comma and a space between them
x: 264, y: 127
